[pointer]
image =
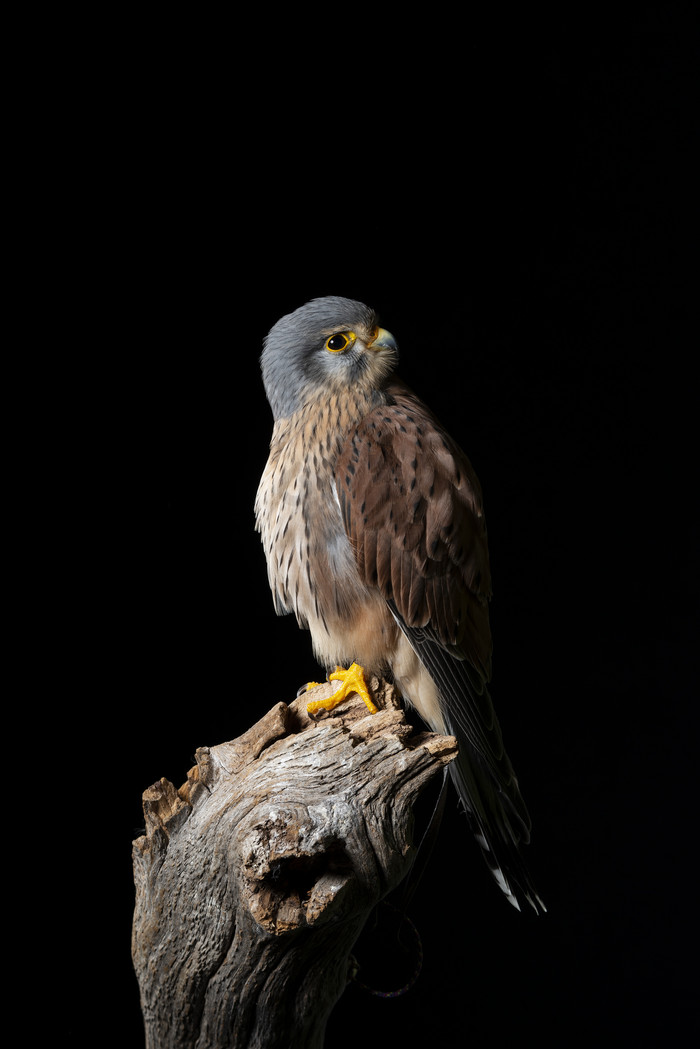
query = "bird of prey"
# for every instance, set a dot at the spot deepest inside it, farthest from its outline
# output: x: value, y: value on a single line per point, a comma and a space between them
x: 372, y: 522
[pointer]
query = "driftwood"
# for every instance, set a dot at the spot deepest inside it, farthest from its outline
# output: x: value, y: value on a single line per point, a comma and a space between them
x: 255, y: 878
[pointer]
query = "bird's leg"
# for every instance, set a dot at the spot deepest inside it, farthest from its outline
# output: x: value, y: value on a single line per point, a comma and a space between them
x: 353, y: 680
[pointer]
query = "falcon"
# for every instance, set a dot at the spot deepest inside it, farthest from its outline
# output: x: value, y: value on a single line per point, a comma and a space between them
x: 372, y: 522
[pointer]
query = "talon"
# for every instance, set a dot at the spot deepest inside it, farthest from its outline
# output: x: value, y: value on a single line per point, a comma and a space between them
x: 305, y: 688
x: 353, y: 680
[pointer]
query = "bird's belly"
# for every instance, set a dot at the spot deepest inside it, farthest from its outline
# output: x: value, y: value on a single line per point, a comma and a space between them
x: 313, y: 573
x: 366, y: 635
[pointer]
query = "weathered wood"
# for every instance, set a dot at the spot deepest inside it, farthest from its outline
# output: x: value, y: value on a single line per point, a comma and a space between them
x: 255, y: 878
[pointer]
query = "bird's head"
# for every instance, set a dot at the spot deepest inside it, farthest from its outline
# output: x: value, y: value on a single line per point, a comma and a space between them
x: 326, y: 345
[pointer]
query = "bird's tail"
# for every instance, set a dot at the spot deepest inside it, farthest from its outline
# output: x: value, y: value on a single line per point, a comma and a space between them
x: 482, y: 772
x: 498, y: 820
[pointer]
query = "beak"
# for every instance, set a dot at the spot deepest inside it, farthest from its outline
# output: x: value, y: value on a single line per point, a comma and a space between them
x: 383, y: 340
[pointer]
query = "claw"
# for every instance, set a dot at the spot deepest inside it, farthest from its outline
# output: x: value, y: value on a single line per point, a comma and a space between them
x: 353, y: 680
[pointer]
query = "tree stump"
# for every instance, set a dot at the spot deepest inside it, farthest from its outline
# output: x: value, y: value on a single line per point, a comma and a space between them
x: 255, y: 878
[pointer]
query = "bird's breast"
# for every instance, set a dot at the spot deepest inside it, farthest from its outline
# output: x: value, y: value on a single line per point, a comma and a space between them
x: 310, y: 561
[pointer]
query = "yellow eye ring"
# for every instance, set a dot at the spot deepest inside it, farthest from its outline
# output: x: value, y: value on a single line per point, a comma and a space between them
x: 340, y: 341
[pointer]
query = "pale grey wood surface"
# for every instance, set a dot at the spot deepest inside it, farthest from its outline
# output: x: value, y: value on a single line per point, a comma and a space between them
x: 255, y: 878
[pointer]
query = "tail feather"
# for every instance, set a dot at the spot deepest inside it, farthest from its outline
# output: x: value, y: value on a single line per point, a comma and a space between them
x: 486, y: 809
x: 482, y: 773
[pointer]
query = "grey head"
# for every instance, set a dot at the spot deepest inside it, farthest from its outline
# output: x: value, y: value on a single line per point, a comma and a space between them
x: 326, y: 344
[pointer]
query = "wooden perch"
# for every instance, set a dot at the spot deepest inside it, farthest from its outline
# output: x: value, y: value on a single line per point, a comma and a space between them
x: 255, y: 878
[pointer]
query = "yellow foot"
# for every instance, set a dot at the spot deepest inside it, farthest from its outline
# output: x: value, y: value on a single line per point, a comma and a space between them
x: 353, y: 680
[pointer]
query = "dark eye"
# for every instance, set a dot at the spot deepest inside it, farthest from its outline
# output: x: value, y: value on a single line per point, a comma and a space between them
x: 338, y: 342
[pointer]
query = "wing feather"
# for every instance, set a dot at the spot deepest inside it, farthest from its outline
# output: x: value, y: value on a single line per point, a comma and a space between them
x: 413, y: 488
x: 412, y: 508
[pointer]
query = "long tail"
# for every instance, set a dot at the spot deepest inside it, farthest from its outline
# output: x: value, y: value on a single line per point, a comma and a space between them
x: 482, y: 773
x: 495, y: 822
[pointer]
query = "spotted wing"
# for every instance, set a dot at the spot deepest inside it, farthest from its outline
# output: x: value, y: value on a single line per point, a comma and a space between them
x: 412, y: 508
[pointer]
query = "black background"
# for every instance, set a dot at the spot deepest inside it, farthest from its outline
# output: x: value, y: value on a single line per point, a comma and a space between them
x: 512, y: 201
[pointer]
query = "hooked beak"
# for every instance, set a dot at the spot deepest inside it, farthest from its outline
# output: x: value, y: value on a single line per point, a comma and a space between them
x: 383, y: 340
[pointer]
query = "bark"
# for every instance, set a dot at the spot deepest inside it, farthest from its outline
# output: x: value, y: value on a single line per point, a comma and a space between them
x: 255, y: 878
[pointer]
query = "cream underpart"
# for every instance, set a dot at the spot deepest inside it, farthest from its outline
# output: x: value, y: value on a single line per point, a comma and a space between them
x: 416, y: 685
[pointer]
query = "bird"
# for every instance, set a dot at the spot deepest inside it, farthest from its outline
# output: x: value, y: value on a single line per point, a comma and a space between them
x: 372, y: 523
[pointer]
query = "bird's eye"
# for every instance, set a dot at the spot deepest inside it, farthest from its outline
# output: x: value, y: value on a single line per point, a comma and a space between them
x: 338, y: 343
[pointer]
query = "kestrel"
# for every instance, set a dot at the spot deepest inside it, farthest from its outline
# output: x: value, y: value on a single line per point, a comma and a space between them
x: 373, y: 527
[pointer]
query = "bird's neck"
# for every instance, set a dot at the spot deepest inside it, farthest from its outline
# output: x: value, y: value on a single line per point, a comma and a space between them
x: 322, y: 424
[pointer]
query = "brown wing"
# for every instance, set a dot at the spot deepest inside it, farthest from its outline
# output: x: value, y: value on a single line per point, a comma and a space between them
x: 413, y: 511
